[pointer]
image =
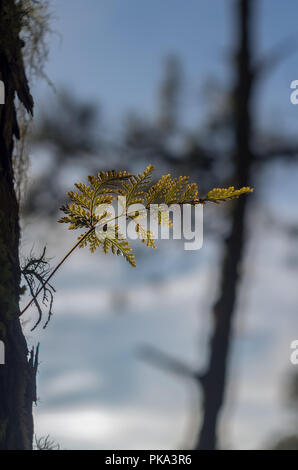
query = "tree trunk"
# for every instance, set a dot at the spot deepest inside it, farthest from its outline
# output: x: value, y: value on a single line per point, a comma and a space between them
x: 214, y: 380
x: 17, y: 377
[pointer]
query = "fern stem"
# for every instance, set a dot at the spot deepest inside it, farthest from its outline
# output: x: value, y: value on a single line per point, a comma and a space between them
x: 56, y: 269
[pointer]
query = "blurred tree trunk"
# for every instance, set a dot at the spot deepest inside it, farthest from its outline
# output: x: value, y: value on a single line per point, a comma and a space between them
x: 214, y: 379
x: 17, y: 378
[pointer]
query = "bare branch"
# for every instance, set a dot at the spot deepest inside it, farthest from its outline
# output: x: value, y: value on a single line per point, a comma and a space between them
x: 166, y: 362
x: 279, y: 52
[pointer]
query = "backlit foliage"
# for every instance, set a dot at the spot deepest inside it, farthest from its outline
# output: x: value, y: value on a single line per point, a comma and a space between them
x: 81, y: 212
x: 218, y: 194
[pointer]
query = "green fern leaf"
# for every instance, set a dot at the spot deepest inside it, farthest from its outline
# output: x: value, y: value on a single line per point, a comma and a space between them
x: 224, y: 194
x: 82, y: 211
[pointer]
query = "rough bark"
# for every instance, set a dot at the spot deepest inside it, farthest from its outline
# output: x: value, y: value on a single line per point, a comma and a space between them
x: 17, y: 377
x: 213, y: 380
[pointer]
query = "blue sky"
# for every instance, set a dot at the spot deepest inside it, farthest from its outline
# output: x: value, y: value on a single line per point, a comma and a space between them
x: 112, y: 51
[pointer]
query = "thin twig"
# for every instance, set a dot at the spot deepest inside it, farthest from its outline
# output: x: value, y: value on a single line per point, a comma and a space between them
x: 56, y: 269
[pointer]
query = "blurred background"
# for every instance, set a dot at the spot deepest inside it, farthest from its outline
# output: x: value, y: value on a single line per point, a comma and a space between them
x: 192, y: 348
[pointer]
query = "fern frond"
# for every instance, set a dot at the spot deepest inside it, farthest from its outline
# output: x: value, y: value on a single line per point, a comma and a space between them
x: 175, y: 189
x: 83, y: 239
x: 172, y: 191
x: 135, y: 187
x: 155, y: 193
x: 146, y: 236
x: 76, y: 216
x: 224, y: 194
x: 89, y: 238
x: 118, y: 245
x: 85, y: 190
x: 107, y: 180
x: 80, y: 199
x: 82, y: 212
x: 94, y: 242
x: 190, y: 193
